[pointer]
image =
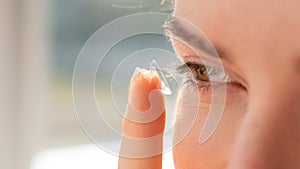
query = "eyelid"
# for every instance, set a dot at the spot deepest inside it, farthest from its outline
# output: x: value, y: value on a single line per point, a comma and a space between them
x: 212, y: 64
x: 222, y: 65
x: 202, y: 60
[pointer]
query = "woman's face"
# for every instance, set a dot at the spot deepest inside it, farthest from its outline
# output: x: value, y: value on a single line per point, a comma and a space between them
x: 258, y: 45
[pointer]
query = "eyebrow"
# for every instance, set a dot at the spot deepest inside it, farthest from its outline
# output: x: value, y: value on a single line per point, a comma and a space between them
x: 192, y: 36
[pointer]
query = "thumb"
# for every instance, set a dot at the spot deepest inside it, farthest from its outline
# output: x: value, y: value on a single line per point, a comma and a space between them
x: 143, y: 123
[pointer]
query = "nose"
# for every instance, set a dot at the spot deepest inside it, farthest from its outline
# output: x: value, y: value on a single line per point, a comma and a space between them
x: 269, y: 137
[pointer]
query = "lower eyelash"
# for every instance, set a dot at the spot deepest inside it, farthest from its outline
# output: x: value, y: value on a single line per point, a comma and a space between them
x: 204, y: 87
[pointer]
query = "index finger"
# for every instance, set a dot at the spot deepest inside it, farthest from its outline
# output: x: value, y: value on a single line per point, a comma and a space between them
x: 135, y: 134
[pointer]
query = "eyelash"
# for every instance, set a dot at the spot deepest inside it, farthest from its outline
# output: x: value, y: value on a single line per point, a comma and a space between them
x: 200, y: 75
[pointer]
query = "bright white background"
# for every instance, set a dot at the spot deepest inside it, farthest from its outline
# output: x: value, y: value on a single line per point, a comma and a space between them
x: 84, y: 156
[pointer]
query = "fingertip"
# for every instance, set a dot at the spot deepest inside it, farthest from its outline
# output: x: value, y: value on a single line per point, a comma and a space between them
x: 145, y: 114
x: 142, y: 141
x: 142, y: 84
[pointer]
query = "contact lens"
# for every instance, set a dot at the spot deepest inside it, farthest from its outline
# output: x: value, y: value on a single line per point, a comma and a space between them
x: 165, y: 87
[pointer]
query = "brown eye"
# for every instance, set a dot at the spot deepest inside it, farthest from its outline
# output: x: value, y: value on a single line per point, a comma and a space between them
x: 208, y: 74
x: 200, y: 72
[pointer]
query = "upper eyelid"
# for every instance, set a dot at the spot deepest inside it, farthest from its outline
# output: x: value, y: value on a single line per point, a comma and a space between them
x: 203, y: 61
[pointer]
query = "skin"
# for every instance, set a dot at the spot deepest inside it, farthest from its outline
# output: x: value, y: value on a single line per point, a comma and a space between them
x: 142, y: 85
x: 260, y: 127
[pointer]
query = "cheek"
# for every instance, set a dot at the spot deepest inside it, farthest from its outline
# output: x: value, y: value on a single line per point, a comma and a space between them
x: 214, y: 154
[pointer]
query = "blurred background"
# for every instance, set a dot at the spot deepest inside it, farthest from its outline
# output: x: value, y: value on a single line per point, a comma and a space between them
x: 39, y: 43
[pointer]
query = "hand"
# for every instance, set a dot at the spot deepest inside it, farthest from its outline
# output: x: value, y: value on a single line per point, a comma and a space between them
x: 143, y: 123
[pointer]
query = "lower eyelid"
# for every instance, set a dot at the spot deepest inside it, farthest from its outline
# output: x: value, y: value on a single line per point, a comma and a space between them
x: 206, y: 88
x: 234, y: 91
x: 202, y: 86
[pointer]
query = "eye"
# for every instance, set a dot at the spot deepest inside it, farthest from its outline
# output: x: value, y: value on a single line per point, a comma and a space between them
x: 203, y: 76
x: 207, y: 74
x: 199, y: 72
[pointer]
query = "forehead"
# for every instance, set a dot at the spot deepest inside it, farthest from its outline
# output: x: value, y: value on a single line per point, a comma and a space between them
x: 252, y: 27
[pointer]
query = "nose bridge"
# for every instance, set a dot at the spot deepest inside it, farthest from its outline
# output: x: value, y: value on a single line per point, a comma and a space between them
x: 269, y: 136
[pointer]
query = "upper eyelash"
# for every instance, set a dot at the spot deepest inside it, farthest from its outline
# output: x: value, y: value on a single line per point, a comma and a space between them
x: 185, y: 69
